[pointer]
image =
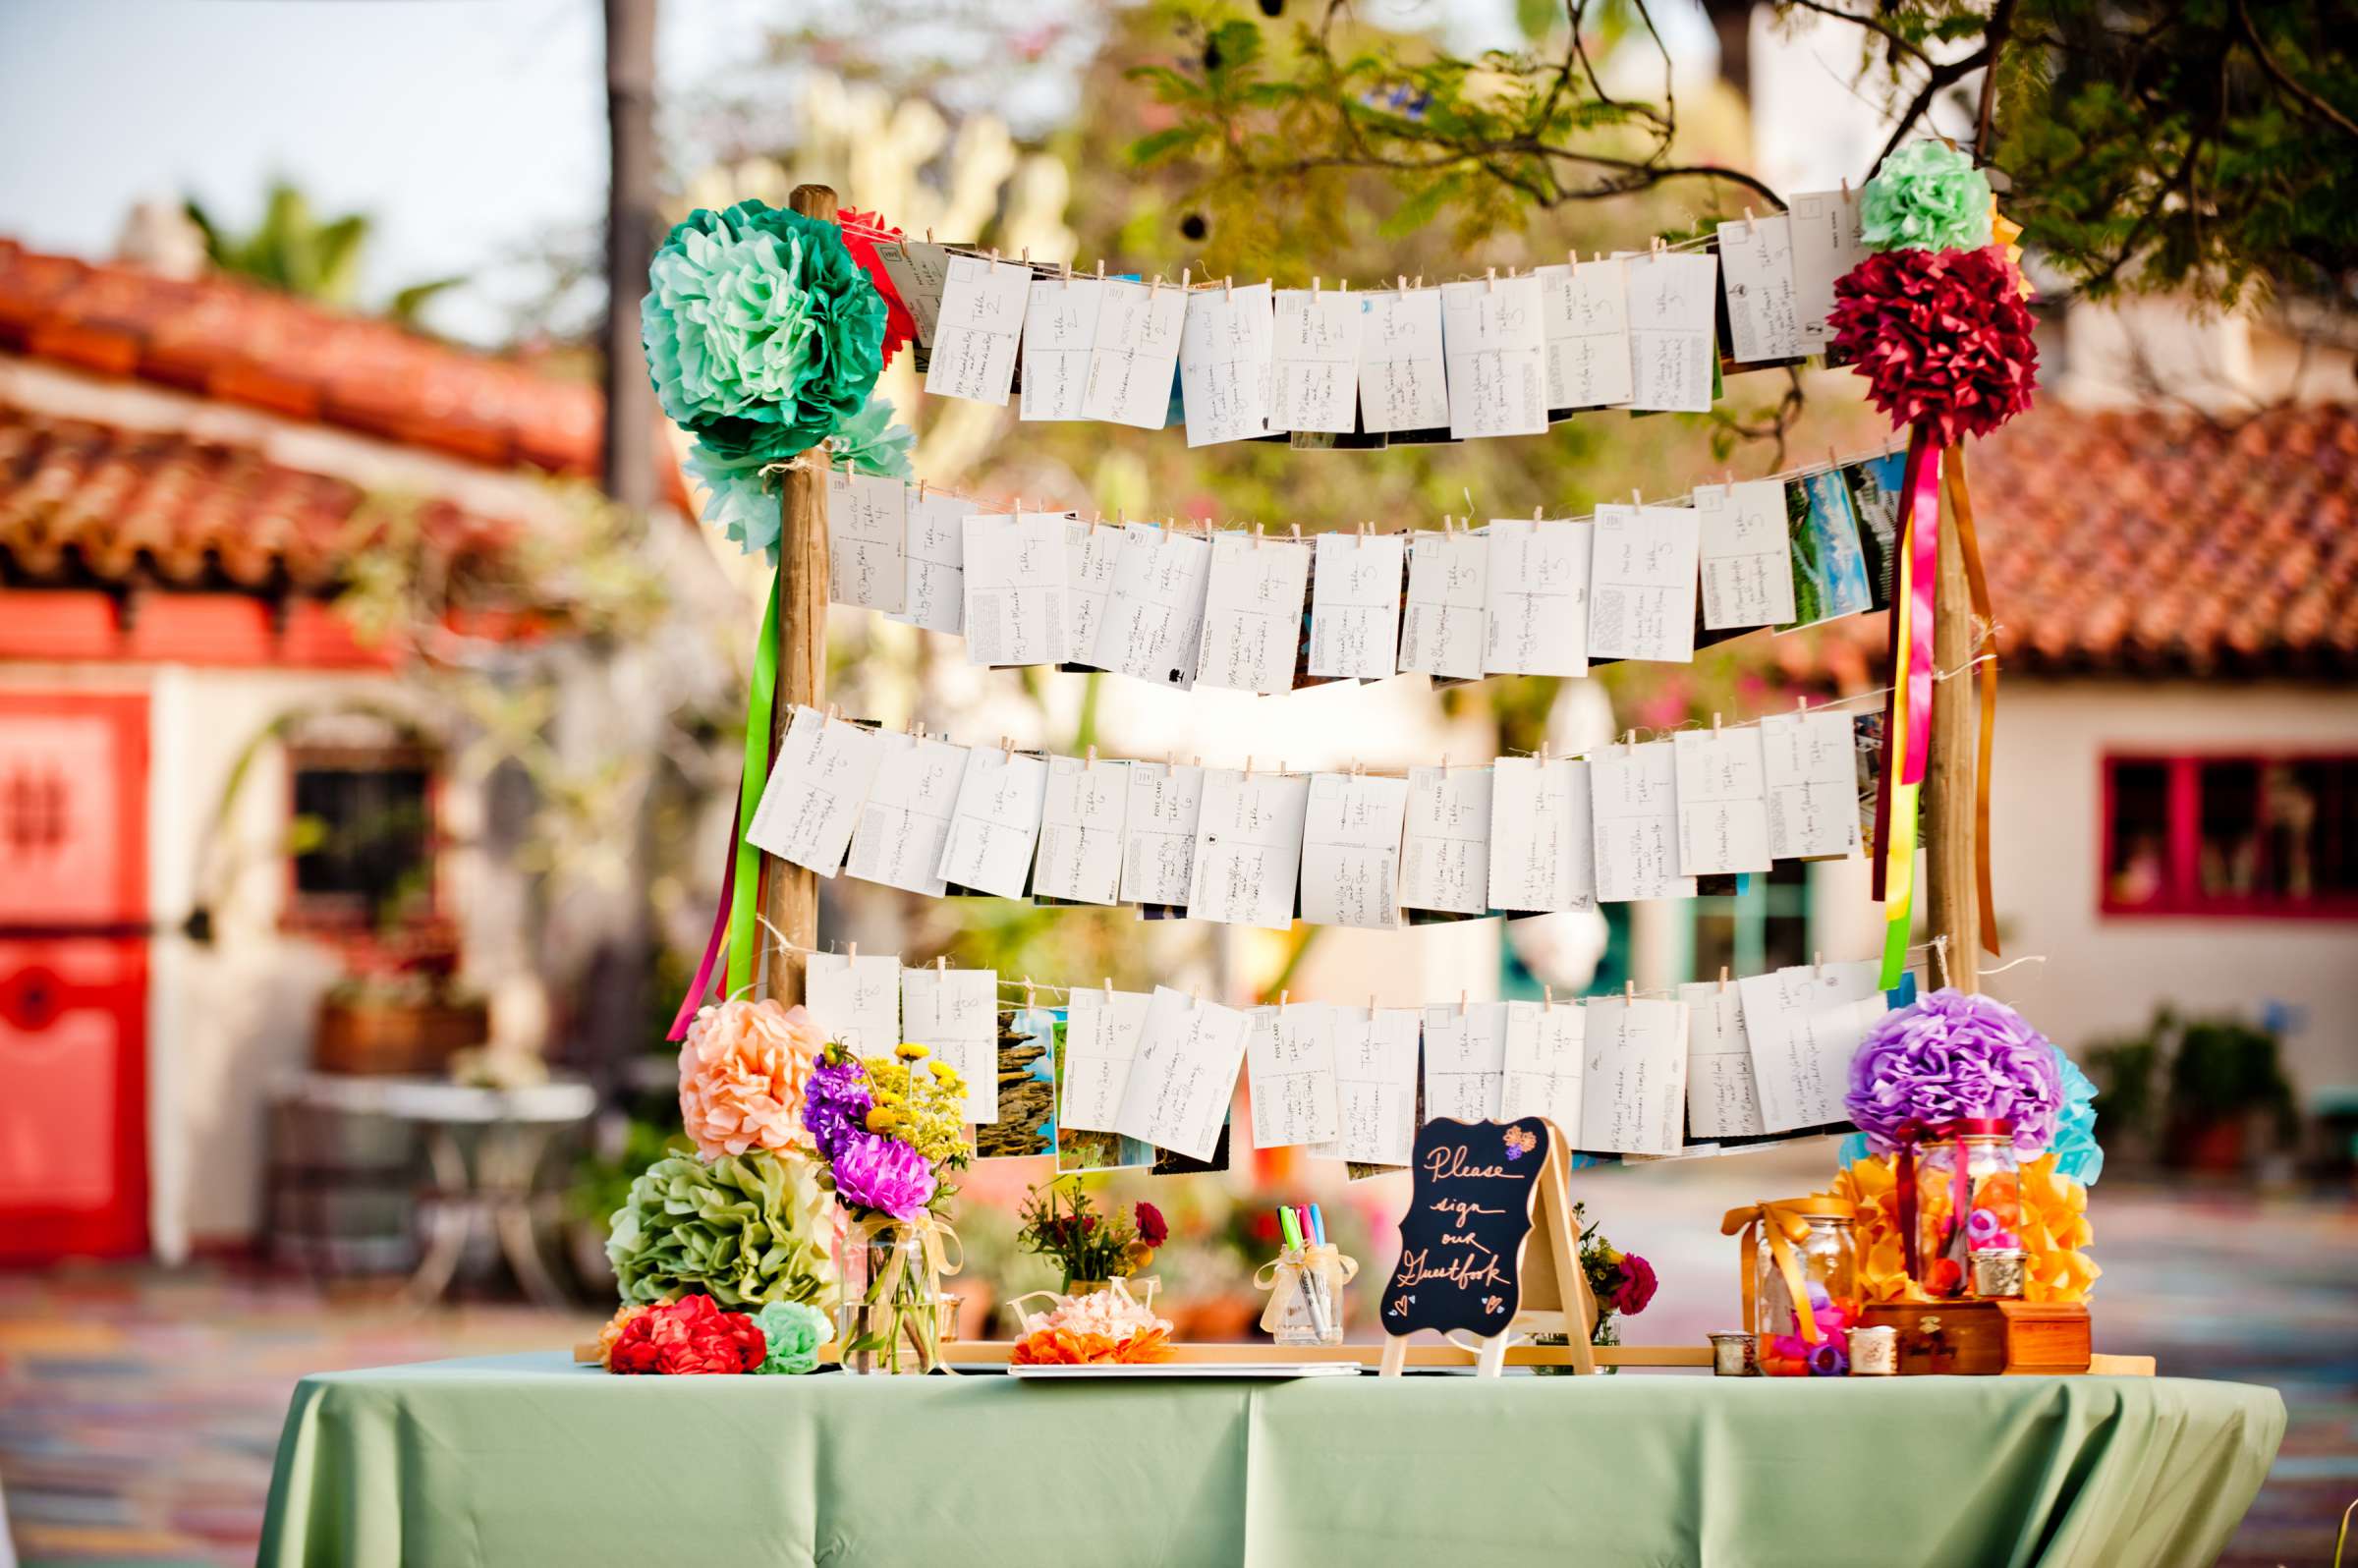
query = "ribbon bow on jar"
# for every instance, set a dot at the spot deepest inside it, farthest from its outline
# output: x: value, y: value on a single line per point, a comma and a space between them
x: 1784, y: 1221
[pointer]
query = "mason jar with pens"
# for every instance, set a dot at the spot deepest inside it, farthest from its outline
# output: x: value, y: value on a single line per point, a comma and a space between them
x: 1304, y: 1281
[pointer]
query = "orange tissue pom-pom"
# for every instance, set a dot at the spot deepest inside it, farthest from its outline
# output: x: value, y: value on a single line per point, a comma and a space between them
x: 744, y: 1069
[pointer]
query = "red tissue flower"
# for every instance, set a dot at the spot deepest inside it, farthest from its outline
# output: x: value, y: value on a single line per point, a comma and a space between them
x: 688, y: 1336
x: 1942, y: 337
x: 860, y: 231
x: 1636, y: 1288
x: 1152, y: 1228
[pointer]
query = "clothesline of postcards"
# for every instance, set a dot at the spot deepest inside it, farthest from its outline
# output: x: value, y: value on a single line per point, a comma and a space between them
x: 1251, y: 610
x: 1117, y: 1077
x: 1493, y: 355
x: 1524, y: 834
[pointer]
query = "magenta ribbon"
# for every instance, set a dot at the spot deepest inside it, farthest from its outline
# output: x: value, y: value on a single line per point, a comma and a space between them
x: 701, y: 986
x: 1923, y: 545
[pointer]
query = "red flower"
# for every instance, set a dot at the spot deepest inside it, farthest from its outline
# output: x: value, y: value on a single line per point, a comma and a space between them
x: 1942, y: 337
x: 1636, y: 1288
x: 860, y: 231
x: 688, y: 1336
x: 1152, y: 1228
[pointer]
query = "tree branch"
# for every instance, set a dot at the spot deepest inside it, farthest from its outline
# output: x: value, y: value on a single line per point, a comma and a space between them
x: 2283, y: 78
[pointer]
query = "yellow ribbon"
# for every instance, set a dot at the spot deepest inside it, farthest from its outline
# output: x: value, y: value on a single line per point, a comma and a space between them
x: 1784, y: 1220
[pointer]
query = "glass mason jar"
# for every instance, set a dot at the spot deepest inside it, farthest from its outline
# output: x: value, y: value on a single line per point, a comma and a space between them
x: 1968, y: 1200
x: 1825, y: 1267
x: 891, y: 1316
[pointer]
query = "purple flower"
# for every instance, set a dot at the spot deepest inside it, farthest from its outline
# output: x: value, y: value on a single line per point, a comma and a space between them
x: 883, y: 1174
x: 1949, y: 1055
x: 1828, y: 1360
x: 835, y: 1106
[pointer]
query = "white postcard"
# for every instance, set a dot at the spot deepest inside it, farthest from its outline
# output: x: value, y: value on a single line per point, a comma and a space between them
x: 1226, y: 361
x: 855, y: 1000
x: 1136, y: 352
x: 1633, y: 804
x: 1805, y: 1024
x: 1159, y: 837
x: 1542, y: 844
x: 1060, y: 325
x: 1376, y: 1085
x: 1641, y: 583
x: 1672, y: 314
x: 1537, y: 614
x: 823, y: 770
x: 1152, y: 626
x: 1747, y: 569
x: 907, y: 815
x: 995, y: 822
x: 1720, y: 1099
x: 1633, y: 1086
x: 1289, y: 1075
x: 1812, y: 785
x: 933, y: 594
x: 1403, y: 381
x: 1465, y: 1060
x: 1351, y: 850
x: 955, y: 1014
x: 1354, y: 606
x: 981, y: 318
x: 1102, y: 1031
x: 1316, y: 384
x: 1496, y: 353
x: 1081, y: 830
x: 1184, y: 1073
x: 1826, y: 245
x: 1544, y: 1044
x: 1444, y: 631
x: 1585, y: 311
x: 1015, y: 600
x: 1247, y: 848
x: 1446, y: 848
x: 1253, y: 614
x: 1755, y: 267
x: 1722, y: 801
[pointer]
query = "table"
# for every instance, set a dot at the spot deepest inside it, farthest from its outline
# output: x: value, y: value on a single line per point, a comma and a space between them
x: 515, y: 1459
x: 493, y: 1191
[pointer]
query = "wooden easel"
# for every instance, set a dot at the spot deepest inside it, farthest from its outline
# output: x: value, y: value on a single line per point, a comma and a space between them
x: 1549, y: 1257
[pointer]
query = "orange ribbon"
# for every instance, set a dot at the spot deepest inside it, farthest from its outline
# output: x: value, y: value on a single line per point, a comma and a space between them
x: 1784, y: 1221
x: 1977, y: 586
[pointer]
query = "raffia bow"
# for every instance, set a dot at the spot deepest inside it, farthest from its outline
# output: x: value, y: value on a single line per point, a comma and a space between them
x: 1271, y: 1276
x: 1784, y: 1221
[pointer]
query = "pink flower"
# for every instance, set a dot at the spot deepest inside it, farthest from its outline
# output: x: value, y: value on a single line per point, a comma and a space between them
x: 1636, y: 1288
x: 744, y: 1067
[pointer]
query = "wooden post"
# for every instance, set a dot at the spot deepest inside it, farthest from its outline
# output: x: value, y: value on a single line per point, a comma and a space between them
x: 789, y: 893
x: 1952, y: 899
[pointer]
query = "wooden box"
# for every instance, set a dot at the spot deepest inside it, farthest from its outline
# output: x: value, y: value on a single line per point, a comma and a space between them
x: 1985, y: 1338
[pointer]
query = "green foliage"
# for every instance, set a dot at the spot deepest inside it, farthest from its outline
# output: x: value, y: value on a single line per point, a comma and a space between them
x: 295, y: 252
x: 2186, y: 1073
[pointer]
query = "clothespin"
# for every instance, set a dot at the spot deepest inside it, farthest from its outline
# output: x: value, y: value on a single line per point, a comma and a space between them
x: 1419, y: 283
x: 1444, y: 764
x: 1109, y: 991
x: 1100, y: 269
x: 1248, y: 767
x: 1256, y: 536
x: 928, y: 237
x: 1228, y: 286
x: 1535, y: 514
x: 1313, y: 287
x: 1724, y: 979
x: 1090, y: 762
x: 1281, y: 996
x: 1186, y: 279
x: 1637, y: 497
x: 1748, y: 222
x: 1068, y: 273
x: 1297, y: 534
x: 1027, y: 991
x: 1489, y: 282
x: 833, y: 713
x: 1572, y: 256
x: 1007, y: 746
x: 1818, y: 962
x: 851, y: 954
x: 1400, y: 282
x: 1027, y: 256
x: 1461, y: 1004
x: 1549, y: 991
x: 1542, y: 754
x: 1629, y: 991
x: 920, y: 492
x: 1344, y: 286
x: 1366, y: 529
x: 1714, y: 723
x: 942, y: 964
x: 1370, y: 1004
x: 995, y: 256
x: 1801, y: 701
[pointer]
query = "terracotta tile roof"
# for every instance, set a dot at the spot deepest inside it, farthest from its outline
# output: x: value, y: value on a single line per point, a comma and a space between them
x: 85, y: 504
x: 239, y: 343
x: 2140, y: 541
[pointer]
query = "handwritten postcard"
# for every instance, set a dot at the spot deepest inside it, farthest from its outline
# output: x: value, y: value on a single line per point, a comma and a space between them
x: 1722, y: 801
x: 955, y: 1012
x: 1805, y: 1024
x: 1465, y: 1060
x: 1543, y: 1049
x: 1585, y: 309
x: 1317, y: 361
x: 1720, y: 1099
x: 1496, y: 354
x: 1537, y: 613
x: 1811, y: 769
x: 1289, y: 1074
x: 1747, y: 578
x: 934, y: 585
x: 1634, y: 799
x: 868, y: 533
x: 1351, y: 850
x: 1444, y: 631
x: 1136, y: 353
x: 1376, y: 1085
x: 1826, y: 245
x: 1159, y: 837
x: 982, y: 305
x: 1154, y: 621
x: 1403, y: 381
x: 1446, y: 849
x: 1542, y: 844
x: 1354, y: 606
x: 1226, y: 362
x: 855, y: 1000
x: 918, y: 272
x: 907, y: 815
x: 1089, y: 554
x: 1756, y: 259
x: 1015, y: 599
x: 995, y: 822
x: 1081, y: 830
x: 812, y: 802
x: 1060, y: 326
x: 1247, y: 848
x: 1102, y: 1029
x: 1633, y: 1096
x: 1253, y: 614
x: 1641, y: 583
x: 1184, y: 1073
x: 1672, y: 317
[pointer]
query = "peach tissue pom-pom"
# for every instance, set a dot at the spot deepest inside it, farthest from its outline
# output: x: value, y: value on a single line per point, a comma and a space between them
x: 743, y: 1072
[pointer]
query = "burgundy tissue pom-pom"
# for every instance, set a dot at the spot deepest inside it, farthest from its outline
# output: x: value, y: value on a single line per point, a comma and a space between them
x: 1942, y: 337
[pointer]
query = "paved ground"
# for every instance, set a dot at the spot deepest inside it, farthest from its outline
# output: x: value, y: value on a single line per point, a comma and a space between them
x: 140, y: 1408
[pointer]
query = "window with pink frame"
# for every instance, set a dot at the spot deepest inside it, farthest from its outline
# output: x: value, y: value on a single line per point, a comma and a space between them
x: 2256, y: 834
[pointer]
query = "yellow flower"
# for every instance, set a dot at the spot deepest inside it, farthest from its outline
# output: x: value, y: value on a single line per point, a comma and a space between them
x: 910, y: 1051
x: 881, y: 1119
x: 944, y: 1073
x: 2053, y: 1230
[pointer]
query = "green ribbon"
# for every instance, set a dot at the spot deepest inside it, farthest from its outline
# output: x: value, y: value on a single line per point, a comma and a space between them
x: 745, y: 891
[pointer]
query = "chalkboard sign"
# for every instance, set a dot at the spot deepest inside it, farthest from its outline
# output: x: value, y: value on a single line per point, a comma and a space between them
x: 1469, y: 1216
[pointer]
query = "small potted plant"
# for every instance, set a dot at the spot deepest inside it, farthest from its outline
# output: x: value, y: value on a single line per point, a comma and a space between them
x: 1089, y: 1248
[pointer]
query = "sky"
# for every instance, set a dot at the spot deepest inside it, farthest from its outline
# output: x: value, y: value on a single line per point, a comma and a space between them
x: 470, y: 131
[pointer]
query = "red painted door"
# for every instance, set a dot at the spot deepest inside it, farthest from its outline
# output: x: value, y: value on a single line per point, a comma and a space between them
x: 73, y: 975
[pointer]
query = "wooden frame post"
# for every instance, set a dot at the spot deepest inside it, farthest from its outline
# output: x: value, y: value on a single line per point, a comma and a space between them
x: 789, y: 893
x: 1950, y: 777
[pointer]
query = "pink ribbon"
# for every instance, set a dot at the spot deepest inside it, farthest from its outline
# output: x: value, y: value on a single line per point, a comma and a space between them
x: 702, y: 985
x: 1924, y: 546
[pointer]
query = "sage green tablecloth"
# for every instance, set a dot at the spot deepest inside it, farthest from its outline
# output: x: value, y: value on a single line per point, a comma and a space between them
x: 530, y: 1460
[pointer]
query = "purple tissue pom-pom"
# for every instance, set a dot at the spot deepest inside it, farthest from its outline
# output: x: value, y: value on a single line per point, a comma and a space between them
x: 1948, y: 1055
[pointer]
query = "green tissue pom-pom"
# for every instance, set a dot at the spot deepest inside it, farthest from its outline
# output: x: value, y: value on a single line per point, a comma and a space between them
x: 792, y: 1331
x: 744, y: 505
x: 1926, y: 197
x: 746, y: 1229
x: 763, y: 334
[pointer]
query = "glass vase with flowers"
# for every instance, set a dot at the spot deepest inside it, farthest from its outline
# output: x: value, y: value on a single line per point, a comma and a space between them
x: 1091, y: 1248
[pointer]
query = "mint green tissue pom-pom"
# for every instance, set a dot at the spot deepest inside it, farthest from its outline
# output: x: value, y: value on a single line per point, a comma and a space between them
x: 763, y: 335
x: 1926, y: 197
x: 792, y: 1333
